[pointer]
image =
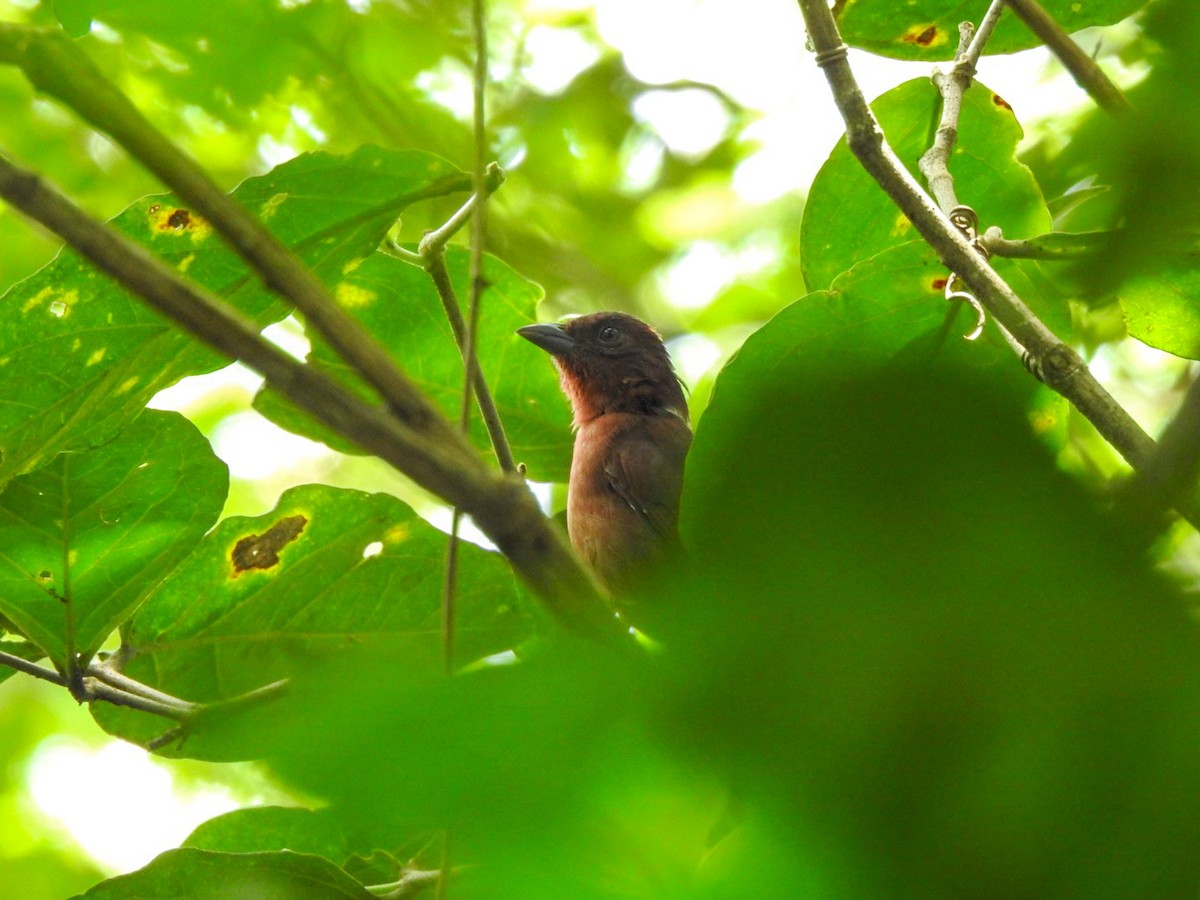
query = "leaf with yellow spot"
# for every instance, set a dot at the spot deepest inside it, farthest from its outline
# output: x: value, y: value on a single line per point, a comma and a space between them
x: 260, y: 597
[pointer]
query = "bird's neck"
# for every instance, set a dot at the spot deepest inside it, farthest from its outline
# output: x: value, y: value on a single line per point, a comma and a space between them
x: 649, y: 393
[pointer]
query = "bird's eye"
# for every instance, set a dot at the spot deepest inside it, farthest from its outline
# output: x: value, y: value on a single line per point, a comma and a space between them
x: 608, y: 334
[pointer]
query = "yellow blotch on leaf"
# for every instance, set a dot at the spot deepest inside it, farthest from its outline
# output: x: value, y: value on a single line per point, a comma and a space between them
x: 97, y: 356
x: 128, y: 385
x: 351, y: 296
x: 351, y: 266
x: 268, y: 209
x: 397, y: 534
x: 184, y: 263
x: 901, y: 225
x: 36, y: 299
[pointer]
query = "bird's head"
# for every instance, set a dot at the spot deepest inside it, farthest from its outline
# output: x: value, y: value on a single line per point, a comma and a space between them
x: 611, y: 362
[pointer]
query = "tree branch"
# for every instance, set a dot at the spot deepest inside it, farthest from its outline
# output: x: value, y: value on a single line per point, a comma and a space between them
x: 31, y: 668
x: 437, y: 458
x: 1062, y: 368
x: 1087, y: 74
x: 1169, y: 477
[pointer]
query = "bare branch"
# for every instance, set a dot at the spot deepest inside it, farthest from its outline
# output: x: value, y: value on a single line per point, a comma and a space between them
x: 1169, y: 477
x: 31, y: 668
x: 1082, y: 67
x: 935, y: 163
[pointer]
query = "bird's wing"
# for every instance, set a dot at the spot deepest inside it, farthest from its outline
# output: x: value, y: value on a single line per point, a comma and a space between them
x: 645, y: 469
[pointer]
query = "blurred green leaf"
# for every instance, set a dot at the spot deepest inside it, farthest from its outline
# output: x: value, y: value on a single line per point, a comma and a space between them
x: 202, y: 875
x: 917, y: 648
x: 848, y: 217
x: 82, y: 357
x: 1149, y: 158
x: 398, y: 303
x: 547, y: 773
x: 273, y: 828
x: 1162, y: 308
x: 327, y: 571
x: 101, y: 528
x: 928, y: 29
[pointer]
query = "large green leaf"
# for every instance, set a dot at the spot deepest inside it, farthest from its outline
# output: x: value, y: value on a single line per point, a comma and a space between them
x: 899, y: 609
x: 928, y: 29
x: 327, y: 570
x: 79, y: 356
x: 87, y: 537
x: 1162, y: 308
x: 400, y: 306
x: 188, y: 874
x: 261, y: 829
x: 848, y: 217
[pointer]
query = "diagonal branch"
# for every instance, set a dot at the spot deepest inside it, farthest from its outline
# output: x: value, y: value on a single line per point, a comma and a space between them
x: 1063, y: 369
x: 437, y: 458
x: 1082, y: 67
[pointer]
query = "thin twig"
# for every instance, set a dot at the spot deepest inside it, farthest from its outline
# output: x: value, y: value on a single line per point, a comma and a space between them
x: 437, y: 239
x: 108, y: 675
x: 54, y: 65
x: 1062, y: 368
x: 95, y: 689
x: 440, y: 461
x: 435, y: 265
x: 31, y: 668
x: 1087, y: 74
x: 935, y: 163
x: 1053, y: 246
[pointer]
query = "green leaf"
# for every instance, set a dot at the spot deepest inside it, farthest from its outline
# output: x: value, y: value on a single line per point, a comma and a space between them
x: 928, y: 29
x: 188, y: 874
x: 273, y: 828
x: 398, y: 303
x: 848, y: 217
x: 1162, y: 308
x: 81, y: 357
x: 88, y: 536
x: 890, y: 305
x: 898, y: 603
x: 327, y: 570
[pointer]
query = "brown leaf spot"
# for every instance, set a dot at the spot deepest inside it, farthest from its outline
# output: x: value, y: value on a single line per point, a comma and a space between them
x: 922, y: 37
x: 938, y: 284
x: 261, y: 551
x: 1001, y: 102
x: 180, y: 218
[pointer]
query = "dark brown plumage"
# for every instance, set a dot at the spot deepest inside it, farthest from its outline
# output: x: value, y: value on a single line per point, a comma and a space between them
x: 632, y: 438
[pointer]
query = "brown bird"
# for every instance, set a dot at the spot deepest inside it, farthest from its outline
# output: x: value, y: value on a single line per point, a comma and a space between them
x: 632, y: 437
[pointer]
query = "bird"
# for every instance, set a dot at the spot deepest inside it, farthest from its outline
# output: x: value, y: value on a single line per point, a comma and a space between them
x: 631, y: 442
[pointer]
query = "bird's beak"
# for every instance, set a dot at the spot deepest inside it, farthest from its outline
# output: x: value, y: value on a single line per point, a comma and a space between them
x: 550, y: 338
